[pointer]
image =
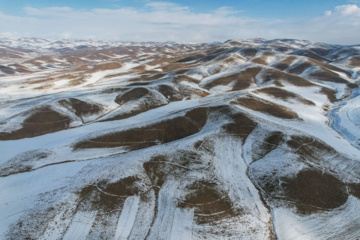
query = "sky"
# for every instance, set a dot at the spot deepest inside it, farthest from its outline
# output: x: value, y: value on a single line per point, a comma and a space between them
x: 329, y: 21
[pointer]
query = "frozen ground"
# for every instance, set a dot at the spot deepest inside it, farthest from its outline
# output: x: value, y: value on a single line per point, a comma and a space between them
x: 251, y: 139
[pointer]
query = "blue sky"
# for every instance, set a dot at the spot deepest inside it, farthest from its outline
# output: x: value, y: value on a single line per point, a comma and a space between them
x: 333, y: 21
x: 251, y: 8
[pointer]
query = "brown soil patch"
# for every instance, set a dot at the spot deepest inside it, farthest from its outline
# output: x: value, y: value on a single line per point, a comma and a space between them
x: 179, y: 78
x: 241, y: 126
x: 327, y: 76
x: 233, y: 58
x: 209, y: 202
x: 159, y: 61
x: 263, y: 58
x: 331, y: 67
x: 22, y: 162
x: 47, y: 86
x: 131, y: 95
x: 77, y: 81
x: 43, y: 120
x: 260, y: 60
x: 159, y: 167
x: 312, y: 191
x: 145, y: 101
x: 312, y: 149
x: 7, y: 70
x: 138, y: 84
x: 153, y: 76
x: 321, y: 51
x: 93, y: 199
x: 162, y: 132
x: 270, y: 143
x: 312, y: 55
x: 81, y: 108
x: 142, y: 106
x: 157, y: 170
x: 284, y: 95
x: 171, y: 93
x: 124, y: 187
x: 177, y: 66
x: 300, y: 68
x: 107, y: 197
x: 127, y: 114
x: 355, y: 61
x: 330, y: 93
x: 270, y: 108
x: 248, y: 52
x: 59, y: 77
x: 276, y: 76
x: 195, y: 57
x: 107, y: 66
x: 140, y: 68
x: 145, y: 79
x: 188, y: 92
x: 242, y: 80
x: 82, y: 67
x: 355, y: 189
x: 284, y: 64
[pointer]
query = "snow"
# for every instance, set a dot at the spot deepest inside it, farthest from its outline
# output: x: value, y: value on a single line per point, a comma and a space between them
x: 80, y: 225
x: 182, y: 224
x: 346, y: 118
x: 127, y: 218
x: 341, y: 223
x: 228, y: 160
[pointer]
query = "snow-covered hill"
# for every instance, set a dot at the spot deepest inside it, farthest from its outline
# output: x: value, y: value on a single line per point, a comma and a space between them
x: 250, y: 139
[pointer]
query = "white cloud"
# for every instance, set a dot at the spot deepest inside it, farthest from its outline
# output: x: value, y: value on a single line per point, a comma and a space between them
x: 50, y: 11
x: 342, y: 25
x: 166, y: 6
x: 164, y: 21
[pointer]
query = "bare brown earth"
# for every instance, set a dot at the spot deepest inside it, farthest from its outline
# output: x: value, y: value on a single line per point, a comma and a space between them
x: 240, y: 126
x: 170, y: 92
x: 355, y: 189
x: 241, y: 80
x: 326, y: 75
x: 276, y: 76
x: 271, y: 142
x: 107, y: 66
x: 267, y: 107
x: 81, y: 108
x: 312, y: 55
x: 22, y: 162
x: 131, y: 95
x: 300, y: 68
x: 281, y: 93
x: 263, y: 58
x: 314, y: 191
x: 209, y: 201
x: 163, y: 132
x: 43, y: 120
x: 144, y: 100
x: 317, y: 187
x: 355, y: 61
x: 248, y: 52
x: 284, y: 64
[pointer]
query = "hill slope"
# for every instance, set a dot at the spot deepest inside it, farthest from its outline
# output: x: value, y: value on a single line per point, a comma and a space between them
x: 251, y: 139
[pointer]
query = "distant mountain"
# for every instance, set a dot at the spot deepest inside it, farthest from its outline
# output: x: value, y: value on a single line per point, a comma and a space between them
x: 41, y: 44
x: 246, y: 139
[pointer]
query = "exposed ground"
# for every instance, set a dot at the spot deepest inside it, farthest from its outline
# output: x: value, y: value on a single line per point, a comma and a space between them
x: 251, y: 139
